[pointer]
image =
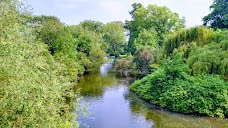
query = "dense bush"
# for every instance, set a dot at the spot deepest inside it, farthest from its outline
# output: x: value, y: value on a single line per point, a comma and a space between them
x: 77, y: 44
x: 33, y: 86
x: 124, y: 66
x: 209, y: 59
x: 143, y: 58
x: 173, y: 88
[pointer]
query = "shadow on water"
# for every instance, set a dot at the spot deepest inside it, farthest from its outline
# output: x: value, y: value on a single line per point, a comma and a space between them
x: 165, y: 119
x: 112, y: 106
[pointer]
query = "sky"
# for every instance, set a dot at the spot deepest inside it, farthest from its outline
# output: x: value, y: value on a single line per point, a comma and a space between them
x: 72, y: 12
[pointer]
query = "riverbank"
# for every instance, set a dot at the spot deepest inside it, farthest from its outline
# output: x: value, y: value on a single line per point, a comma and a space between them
x: 110, y: 104
x: 201, y: 95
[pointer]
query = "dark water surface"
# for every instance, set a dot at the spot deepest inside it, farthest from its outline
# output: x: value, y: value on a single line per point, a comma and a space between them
x: 111, y: 105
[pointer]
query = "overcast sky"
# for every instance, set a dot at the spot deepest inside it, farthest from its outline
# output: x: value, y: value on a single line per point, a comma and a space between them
x: 75, y: 11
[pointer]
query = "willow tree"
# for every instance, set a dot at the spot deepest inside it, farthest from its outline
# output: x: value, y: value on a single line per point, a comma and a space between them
x: 186, y: 38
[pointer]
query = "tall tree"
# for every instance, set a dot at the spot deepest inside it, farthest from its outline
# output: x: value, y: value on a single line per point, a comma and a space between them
x: 115, y: 38
x: 161, y: 19
x: 218, y: 18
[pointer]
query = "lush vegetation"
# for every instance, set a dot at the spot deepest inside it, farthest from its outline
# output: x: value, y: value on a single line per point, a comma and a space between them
x: 173, y: 88
x: 115, y: 38
x: 218, y: 18
x: 204, y: 50
x: 148, y: 22
x: 40, y: 59
x: 192, y: 73
x: 33, y: 85
x: 148, y: 31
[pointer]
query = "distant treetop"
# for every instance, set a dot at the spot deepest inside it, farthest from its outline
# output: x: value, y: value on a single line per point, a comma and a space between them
x: 218, y: 18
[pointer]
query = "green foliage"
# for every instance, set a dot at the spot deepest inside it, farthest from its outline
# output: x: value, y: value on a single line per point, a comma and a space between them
x: 145, y: 49
x: 146, y: 38
x: 88, y: 45
x: 48, y: 28
x: 143, y: 58
x: 209, y: 59
x: 175, y: 68
x: 205, y: 50
x: 33, y: 87
x: 201, y: 35
x: 154, y: 17
x: 124, y: 65
x: 95, y: 26
x: 77, y: 47
x: 138, y: 65
x: 115, y: 38
x: 65, y: 45
x: 11, y: 19
x: 218, y: 18
x: 171, y: 87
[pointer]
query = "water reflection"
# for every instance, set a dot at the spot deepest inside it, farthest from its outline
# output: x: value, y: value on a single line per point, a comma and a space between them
x: 165, y: 119
x: 112, y: 111
x: 112, y: 106
x: 107, y: 66
x: 93, y: 85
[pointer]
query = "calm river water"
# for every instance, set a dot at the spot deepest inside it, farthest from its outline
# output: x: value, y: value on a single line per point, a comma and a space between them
x: 111, y: 105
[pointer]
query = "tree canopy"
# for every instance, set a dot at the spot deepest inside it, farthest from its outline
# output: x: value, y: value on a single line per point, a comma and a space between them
x: 114, y: 37
x: 161, y: 19
x: 218, y: 18
x: 148, y: 29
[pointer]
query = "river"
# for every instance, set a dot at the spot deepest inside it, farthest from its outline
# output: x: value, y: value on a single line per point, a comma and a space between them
x: 111, y: 105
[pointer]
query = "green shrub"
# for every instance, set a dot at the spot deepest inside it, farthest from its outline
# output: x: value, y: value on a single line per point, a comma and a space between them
x: 124, y: 66
x: 33, y: 86
x: 171, y: 87
x: 209, y: 59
